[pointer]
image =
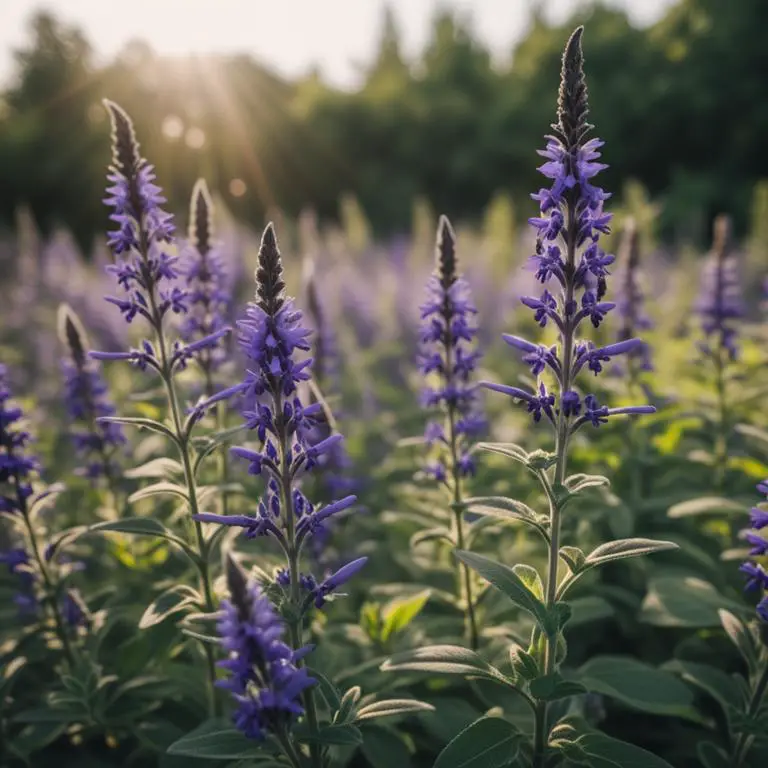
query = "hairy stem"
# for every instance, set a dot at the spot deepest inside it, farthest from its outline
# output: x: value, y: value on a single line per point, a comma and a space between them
x: 744, y: 742
x: 295, y: 627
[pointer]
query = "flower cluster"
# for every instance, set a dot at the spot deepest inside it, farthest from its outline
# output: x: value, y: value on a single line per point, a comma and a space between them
x: 142, y: 245
x: 17, y: 467
x: 757, y: 576
x: 448, y: 359
x: 720, y: 304
x: 630, y: 299
x: 87, y: 400
x: 263, y: 673
x: 208, y: 295
x: 270, y: 337
x: 568, y: 254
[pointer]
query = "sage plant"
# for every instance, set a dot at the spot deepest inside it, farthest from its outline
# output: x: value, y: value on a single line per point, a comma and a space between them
x: 721, y: 308
x: 447, y: 359
x: 569, y: 258
x: 86, y: 396
x: 146, y: 269
x: 42, y: 596
x: 271, y: 336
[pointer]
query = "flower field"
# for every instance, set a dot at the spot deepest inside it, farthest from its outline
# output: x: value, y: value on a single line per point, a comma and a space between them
x: 292, y: 498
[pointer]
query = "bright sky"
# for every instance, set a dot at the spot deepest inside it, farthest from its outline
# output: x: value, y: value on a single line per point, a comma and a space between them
x: 290, y: 35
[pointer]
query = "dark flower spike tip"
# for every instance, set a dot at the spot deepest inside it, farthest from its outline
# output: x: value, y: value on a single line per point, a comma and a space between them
x: 125, y: 147
x: 270, y: 287
x: 72, y: 335
x: 237, y: 584
x: 572, y: 106
x: 445, y: 253
x: 201, y: 218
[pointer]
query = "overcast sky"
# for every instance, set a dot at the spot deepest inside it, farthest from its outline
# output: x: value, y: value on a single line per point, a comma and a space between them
x: 291, y: 35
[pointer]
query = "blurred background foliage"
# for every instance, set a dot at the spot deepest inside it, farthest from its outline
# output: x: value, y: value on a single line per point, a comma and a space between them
x: 680, y: 105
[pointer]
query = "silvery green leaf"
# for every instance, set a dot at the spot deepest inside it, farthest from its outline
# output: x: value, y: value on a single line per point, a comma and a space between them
x: 490, y: 742
x: 162, y: 467
x: 391, y: 708
x: 443, y: 659
x: 508, y: 582
x: 706, y: 505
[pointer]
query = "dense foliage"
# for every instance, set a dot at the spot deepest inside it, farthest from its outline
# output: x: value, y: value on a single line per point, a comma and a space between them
x: 351, y: 529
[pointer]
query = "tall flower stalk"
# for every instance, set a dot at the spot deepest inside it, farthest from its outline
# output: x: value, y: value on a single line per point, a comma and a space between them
x: 568, y: 254
x: 721, y: 308
x: 447, y: 359
x: 272, y: 336
x: 41, y: 595
x: 87, y: 399
x: 147, y: 270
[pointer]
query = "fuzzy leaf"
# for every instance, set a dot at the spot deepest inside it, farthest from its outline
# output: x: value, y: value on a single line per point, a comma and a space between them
x: 605, y: 752
x: 741, y: 637
x: 580, y: 482
x: 530, y: 577
x: 554, y: 686
x: 142, y: 423
x: 383, y: 748
x: 508, y: 582
x: 162, y: 488
x: 443, y: 659
x: 511, y: 450
x: 488, y: 743
x: 638, y: 685
x: 430, y: 534
x: 141, y: 526
x: 712, y: 680
x: 162, y: 467
x: 167, y: 603
x: 215, y: 740
x: 345, y: 734
x: 391, y: 708
x: 706, y: 505
x: 624, y: 548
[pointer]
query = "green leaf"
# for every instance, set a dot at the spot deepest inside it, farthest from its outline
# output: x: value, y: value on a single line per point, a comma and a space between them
x: 142, y: 423
x: 167, y: 603
x: 327, y: 689
x: 35, y: 737
x: 573, y: 557
x: 638, y: 685
x: 215, y: 740
x: 430, y: 534
x: 398, y: 614
x: 712, y: 756
x: 580, y: 482
x: 511, y: 450
x: 347, y: 705
x: 713, y: 681
x: 64, y: 538
x: 502, y: 508
x: 488, y: 743
x: 605, y: 752
x: 443, y: 659
x: 530, y: 577
x: 162, y: 467
x: 624, y: 548
x: 741, y: 637
x: 684, y: 601
x: 345, y: 734
x: 139, y: 526
x: 159, y: 489
x: 391, y: 708
x: 383, y: 748
x: 706, y: 505
x: 555, y: 686
x: 508, y: 582
x: 523, y: 663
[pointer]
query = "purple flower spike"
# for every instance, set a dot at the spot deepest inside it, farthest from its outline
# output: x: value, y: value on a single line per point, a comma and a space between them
x: 568, y: 257
x: 448, y: 360
x: 264, y: 676
x: 757, y: 577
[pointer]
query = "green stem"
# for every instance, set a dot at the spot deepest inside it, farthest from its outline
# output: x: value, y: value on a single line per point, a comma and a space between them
x: 295, y: 624
x: 721, y: 440
x: 182, y: 440
x: 50, y: 591
x: 744, y: 742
